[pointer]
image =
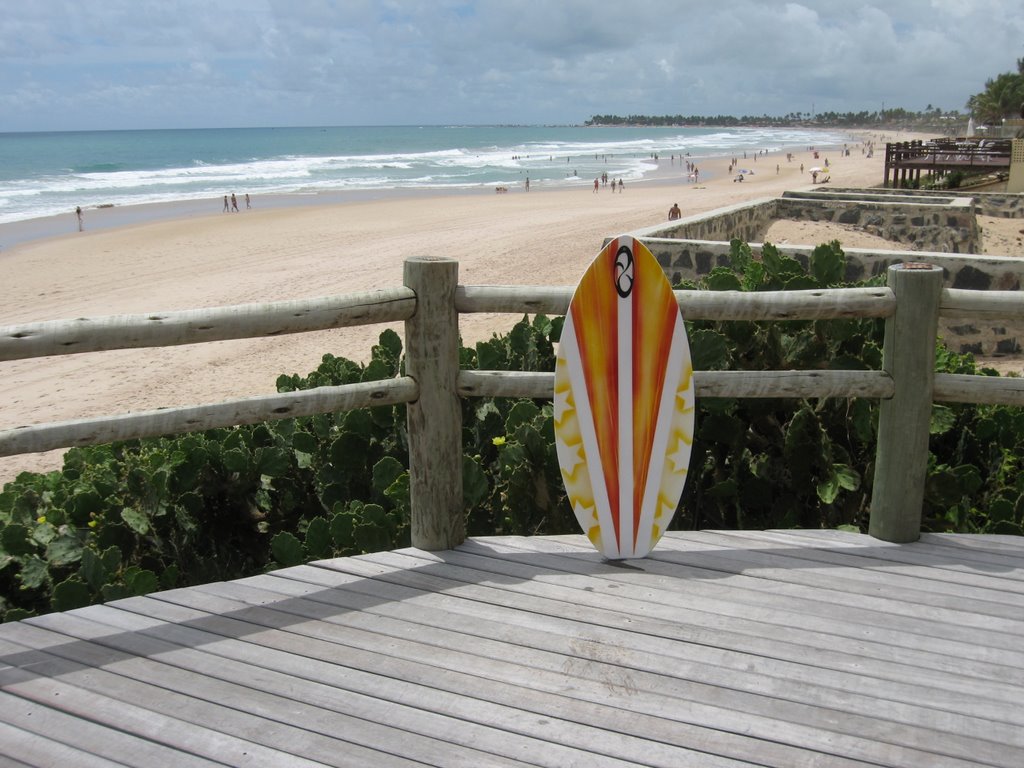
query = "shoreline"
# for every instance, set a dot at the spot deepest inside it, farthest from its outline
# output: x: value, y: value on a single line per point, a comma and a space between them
x: 107, y: 217
x: 545, y: 236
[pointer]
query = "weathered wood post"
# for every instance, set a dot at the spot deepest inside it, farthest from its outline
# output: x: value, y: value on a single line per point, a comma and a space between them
x: 901, y: 457
x: 434, y: 419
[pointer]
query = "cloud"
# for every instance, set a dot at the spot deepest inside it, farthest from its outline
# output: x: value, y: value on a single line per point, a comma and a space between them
x: 117, y: 64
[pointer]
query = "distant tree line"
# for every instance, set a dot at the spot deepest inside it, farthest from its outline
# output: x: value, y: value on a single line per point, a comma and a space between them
x: 931, y: 117
x: 1003, y: 97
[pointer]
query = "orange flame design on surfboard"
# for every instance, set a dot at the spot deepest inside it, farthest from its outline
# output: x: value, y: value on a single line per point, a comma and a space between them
x: 624, y: 401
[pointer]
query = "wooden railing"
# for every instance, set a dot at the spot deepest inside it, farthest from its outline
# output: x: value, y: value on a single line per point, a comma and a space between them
x: 944, y: 155
x: 430, y: 302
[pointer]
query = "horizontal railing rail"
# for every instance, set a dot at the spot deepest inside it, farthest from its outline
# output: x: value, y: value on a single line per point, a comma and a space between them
x: 169, y: 421
x: 429, y: 304
x: 194, y: 326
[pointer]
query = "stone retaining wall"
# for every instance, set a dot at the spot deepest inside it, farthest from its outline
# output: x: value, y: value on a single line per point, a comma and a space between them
x: 937, y: 224
x: 1004, y: 205
x: 943, y: 224
x: 691, y: 259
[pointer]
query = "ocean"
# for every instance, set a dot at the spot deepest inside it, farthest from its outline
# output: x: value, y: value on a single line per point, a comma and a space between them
x: 45, y: 174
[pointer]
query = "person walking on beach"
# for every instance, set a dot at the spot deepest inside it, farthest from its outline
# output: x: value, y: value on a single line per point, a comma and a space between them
x: 674, y: 212
x: 248, y: 205
x: 226, y: 208
x: 597, y: 184
x: 78, y: 213
x: 527, y: 183
x: 234, y: 203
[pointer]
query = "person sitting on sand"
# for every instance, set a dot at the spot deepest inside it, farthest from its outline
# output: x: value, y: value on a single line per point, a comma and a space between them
x: 674, y: 212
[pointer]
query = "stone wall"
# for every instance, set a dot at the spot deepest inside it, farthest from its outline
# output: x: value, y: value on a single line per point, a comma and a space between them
x: 946, y: 224
x: 746, y: 221
x: 942, y: 224
x: 1003, y: 205
x: 691, y: 259
x: 937, y: 224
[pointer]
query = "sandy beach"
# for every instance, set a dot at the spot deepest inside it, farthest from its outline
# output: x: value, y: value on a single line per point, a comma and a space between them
x: 317, y: 249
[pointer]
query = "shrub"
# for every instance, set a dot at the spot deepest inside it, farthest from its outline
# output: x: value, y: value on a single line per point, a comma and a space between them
x: 128, y: 518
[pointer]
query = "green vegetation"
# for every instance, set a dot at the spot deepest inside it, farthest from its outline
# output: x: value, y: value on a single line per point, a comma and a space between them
x: 129, y: 518
x: 1003, y: 97
x: 931, y: 119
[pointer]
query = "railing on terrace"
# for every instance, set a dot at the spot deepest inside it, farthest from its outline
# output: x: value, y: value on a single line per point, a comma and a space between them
x: 909, y: 158
x: 430, y: 302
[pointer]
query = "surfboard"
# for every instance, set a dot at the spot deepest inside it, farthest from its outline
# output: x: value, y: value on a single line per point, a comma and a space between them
x: 624, y: 401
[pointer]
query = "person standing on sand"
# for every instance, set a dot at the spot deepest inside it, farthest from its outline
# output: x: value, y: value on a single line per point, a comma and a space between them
x: 226, y: 207
x: 248, y: 205
x: 674, y: 212
x: 597, y: 183
x: 78, y: 213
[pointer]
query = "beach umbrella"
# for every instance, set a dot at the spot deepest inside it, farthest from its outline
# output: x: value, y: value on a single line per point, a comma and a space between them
x: 815, y: 169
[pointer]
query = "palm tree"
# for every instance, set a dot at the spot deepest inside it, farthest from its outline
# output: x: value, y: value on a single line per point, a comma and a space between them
x: 1003, y: 97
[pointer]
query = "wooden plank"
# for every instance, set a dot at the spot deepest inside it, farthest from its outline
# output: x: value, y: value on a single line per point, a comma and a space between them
x: 979, y: 306
x: 980, y: 559
x: 640, y: 690
x: 689, y: 696
x: 725, y: 648
x: 167, y: 421
x: 192, y: 326
x: 698, y: 305
x: 1011, y: 545
x: 970, y: 388
x: 646, y: 651
x: 840, y: 646
x: 317, y: 649
x: 934, y: 564
x: 306, y: 719
x: 720, y: 592
x: 706, y: 383
x: 188, y: 724
x: 788, y: 576
x: 860, y: 573
x: 96, y: 726
x: 23, y: 748
x: 651, y: 738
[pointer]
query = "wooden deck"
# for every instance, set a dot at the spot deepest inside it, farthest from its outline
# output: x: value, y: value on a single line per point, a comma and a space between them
x: 784, y: 648
x: 906, y: 160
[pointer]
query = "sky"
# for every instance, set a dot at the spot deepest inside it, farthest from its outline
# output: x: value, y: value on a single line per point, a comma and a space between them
x: 116, y: 64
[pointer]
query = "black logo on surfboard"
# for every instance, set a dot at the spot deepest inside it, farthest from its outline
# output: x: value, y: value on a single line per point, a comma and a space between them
x: 624, y: 267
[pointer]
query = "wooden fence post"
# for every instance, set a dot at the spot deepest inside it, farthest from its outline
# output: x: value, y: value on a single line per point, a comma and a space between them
x: 901, y: 458
x: 434, y: 419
